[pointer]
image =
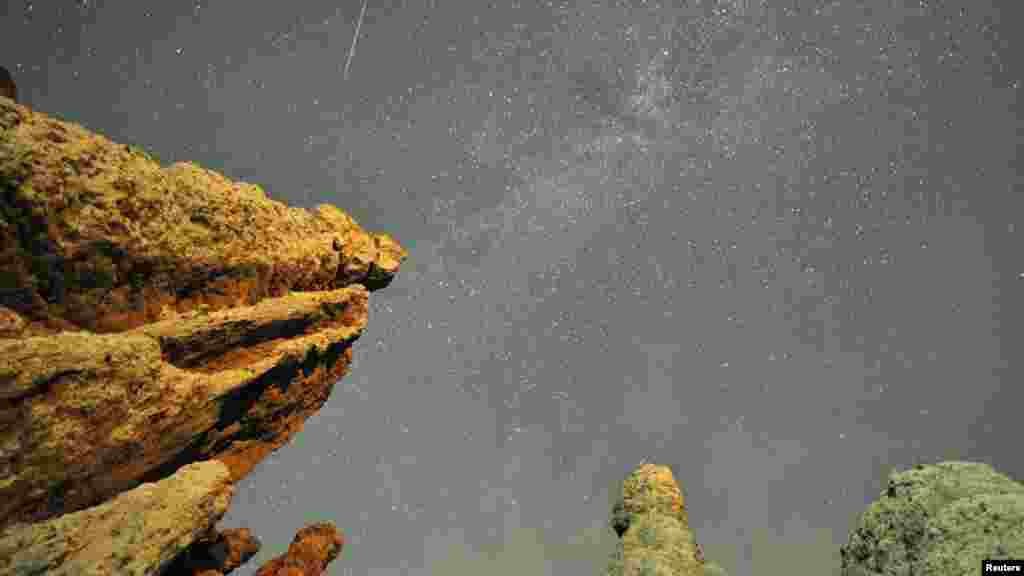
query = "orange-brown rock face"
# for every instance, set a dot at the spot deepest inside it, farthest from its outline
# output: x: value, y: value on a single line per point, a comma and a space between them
x: 219, y: 553
x: 152, y: 317
x: 652, y: 524
x: 99, y: 237
x: 88, y: 415
x: 313, y: 548
x: 135, y: 533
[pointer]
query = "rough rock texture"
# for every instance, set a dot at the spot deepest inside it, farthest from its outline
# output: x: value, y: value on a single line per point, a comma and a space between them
x: 136, y: 533
x: 97, y: 236
x: 88, y: 415
x: 154, y: 317
x: 938, y: 520
x: 651, y: 522
x: 216, y: 554
x: 313, y: 548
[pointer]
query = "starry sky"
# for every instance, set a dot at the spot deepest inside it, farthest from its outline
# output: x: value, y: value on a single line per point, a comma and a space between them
x: 772, y: 245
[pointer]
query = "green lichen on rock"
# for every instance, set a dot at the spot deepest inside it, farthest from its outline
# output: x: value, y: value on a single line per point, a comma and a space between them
x: 938, y: 520
x: 163, y: 325
x: 651, y: 521
x: 136, y: 533
x: 140, y: 151
x: 85, y: 223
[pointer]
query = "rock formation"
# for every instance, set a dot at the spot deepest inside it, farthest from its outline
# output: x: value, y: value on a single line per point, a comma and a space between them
x: 938, y: 520
x: 653, y: 528
x: 216, y: 554
x: 933, y: 520
x: 131, y: 534
x: 309, y: 553
x: 162, y: 330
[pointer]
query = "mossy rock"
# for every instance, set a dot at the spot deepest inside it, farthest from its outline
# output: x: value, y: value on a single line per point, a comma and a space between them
x: 938, y: 520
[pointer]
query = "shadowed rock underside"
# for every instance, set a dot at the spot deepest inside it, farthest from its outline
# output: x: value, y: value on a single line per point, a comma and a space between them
x: 152, y: 319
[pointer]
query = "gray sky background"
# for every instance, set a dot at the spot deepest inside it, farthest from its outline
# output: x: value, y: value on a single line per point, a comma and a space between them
x: 774, y: 248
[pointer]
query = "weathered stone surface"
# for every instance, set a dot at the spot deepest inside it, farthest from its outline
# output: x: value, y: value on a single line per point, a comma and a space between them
x: 938, y: 520
x: 86, y: 415
x: 136, y: 533
x: 313, y: 548
x: 651, y: 521
x: 216, y: 554
x: 96, y: 235
x: 153, y: 317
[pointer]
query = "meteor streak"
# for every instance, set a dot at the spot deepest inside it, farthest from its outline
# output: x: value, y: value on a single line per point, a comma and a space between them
x: 355, y: 38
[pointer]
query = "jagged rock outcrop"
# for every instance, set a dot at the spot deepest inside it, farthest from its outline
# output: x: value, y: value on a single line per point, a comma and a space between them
x: 938, y: 520
x: 313, y: 548
x: 154, y: 317
x: 90, y: 415
x: 654, y: 531
x: 136, y: 533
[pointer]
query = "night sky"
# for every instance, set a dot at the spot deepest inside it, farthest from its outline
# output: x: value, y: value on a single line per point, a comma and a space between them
x: 774, y: 246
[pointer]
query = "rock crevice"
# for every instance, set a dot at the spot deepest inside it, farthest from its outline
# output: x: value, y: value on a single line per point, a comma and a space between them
x: 154, y: 320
